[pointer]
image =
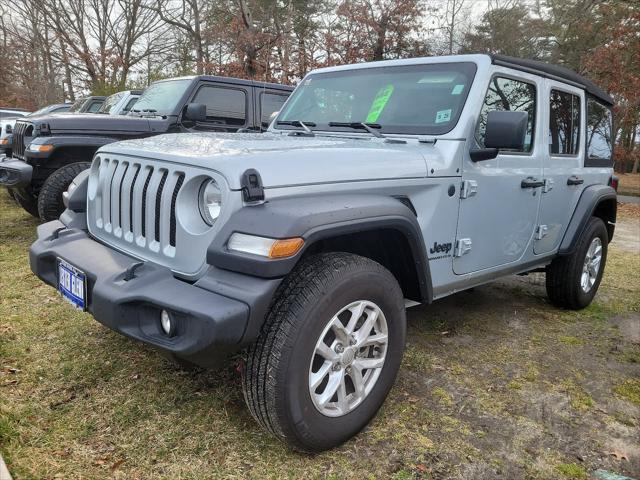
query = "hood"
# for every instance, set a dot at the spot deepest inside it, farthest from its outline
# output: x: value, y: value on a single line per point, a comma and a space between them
x: 92, y: 123
x: 282, y: 160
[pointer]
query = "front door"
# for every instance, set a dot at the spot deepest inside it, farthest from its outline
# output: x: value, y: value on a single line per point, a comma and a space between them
x: 563, y: 173
x: 227, y: 107
x: 497, y: 222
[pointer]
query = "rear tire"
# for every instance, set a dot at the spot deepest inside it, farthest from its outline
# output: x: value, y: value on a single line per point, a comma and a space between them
x: 50, y: 205
x: 573, y: 280
x: 284, y: 365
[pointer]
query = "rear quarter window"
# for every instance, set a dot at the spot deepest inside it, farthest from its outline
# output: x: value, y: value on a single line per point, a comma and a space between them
x: 599, y: 134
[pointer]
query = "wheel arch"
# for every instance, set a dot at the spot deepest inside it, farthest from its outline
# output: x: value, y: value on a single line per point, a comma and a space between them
x: 382, y: 228
x: 68, y: 154
x: 595, y: 201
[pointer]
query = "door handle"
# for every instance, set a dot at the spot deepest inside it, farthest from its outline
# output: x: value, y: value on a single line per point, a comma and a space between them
x: 573, y: 180
x: 531, y: 182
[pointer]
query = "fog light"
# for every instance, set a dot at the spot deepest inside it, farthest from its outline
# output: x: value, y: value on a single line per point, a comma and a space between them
x: 167, y: 323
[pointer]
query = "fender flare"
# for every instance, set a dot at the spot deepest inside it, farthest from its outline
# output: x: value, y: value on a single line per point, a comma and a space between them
x: 591, y: 197
x: 316, y: 218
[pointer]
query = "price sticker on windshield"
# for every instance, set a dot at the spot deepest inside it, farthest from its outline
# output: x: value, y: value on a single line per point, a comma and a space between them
x: 443, y: 116
x: 382, y: 97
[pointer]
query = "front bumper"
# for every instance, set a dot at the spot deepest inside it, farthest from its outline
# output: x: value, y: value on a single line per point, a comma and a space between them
x: 14, y: 173
x: 209, y: 326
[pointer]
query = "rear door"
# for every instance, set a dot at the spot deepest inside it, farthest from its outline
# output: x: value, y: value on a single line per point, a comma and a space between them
x: 498, y: 214
x: 564, y: 121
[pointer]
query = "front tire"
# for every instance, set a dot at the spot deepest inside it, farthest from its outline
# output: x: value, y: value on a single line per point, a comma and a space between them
x: 26, y: 200
x: 573, y: 280
x: 328, y: 353
x: 50, y: 205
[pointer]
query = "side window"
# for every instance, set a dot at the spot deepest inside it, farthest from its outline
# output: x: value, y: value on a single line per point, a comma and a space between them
x: 564, y: 123
x: 225, y: 106
x: 269, y: 103
x: 94, y: 107
x: 599, y: 131
x: 511, y: 95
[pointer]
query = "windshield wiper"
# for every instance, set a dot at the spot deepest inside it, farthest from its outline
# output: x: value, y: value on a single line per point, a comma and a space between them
x: 146, y: 112
x: 369, y: 127
x: 298, y: 123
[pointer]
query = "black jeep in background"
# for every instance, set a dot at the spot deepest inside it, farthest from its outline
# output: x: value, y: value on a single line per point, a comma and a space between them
x: 49, y: 151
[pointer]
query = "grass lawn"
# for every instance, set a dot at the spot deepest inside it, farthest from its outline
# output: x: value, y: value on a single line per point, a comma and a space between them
x: 495, y: 383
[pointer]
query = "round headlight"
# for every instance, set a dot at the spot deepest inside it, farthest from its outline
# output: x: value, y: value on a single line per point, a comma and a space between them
x: 210, y: 201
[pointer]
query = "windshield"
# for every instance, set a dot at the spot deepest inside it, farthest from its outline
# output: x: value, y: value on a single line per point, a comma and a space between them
x: 161, y: 97
x: 411, y: 99
x: 110, y: 102
x: 43, y: 110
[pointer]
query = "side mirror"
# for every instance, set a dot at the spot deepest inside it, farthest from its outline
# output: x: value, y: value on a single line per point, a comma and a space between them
x: 196, y: 112
x: 504, y: 130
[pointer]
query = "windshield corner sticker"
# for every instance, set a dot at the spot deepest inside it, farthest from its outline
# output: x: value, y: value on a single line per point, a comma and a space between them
x: 443, y: 116
x: 457, y: 89
x: 379, y: 102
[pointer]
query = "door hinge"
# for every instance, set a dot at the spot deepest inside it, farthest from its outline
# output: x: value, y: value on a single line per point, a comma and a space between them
x: 468, y: 188
x: 462, y: 246
x: 548, y: 185
x: 541, y: 232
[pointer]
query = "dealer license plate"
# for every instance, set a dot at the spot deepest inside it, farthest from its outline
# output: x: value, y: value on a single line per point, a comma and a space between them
x: 72, y: 284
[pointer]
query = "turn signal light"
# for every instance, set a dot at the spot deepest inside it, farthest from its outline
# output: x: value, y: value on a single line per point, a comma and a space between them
x: 263, y: 246
x: 4, y: 141
x: 43, y: 148
x: 286, y: 248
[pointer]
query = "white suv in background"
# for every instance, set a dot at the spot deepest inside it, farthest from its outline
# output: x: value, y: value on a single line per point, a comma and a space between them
x: 8, y: 122
x: 120, y: 103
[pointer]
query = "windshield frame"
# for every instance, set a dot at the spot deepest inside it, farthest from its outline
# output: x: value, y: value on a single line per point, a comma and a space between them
x: 410, y: 130
x: 179, y: 100
x: 77, y: 105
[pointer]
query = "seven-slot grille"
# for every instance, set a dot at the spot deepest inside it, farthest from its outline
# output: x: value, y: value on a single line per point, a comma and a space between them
x: 135, y: 204
x: 18, y: 139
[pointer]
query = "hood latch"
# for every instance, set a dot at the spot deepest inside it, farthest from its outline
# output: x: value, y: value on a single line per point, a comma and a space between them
x: 252, y: 189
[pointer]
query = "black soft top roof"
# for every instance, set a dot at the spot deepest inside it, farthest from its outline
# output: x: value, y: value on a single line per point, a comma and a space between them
x: 553, y: 71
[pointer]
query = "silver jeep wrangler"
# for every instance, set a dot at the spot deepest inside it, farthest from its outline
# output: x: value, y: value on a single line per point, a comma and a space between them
x: 377, y: 186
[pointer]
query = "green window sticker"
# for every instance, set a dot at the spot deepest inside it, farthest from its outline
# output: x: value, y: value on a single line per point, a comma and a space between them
x: 443, y: 116
x: 457, y: 89
x: 382, y: 97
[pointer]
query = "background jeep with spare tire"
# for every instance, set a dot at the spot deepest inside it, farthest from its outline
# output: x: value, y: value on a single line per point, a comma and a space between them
x: 378, y: 186
x: 49, y: 151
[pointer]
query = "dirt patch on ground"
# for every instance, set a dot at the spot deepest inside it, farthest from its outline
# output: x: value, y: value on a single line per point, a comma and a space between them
x: 495, y: 384
x: 627, y: 232
x: 629, y: 184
